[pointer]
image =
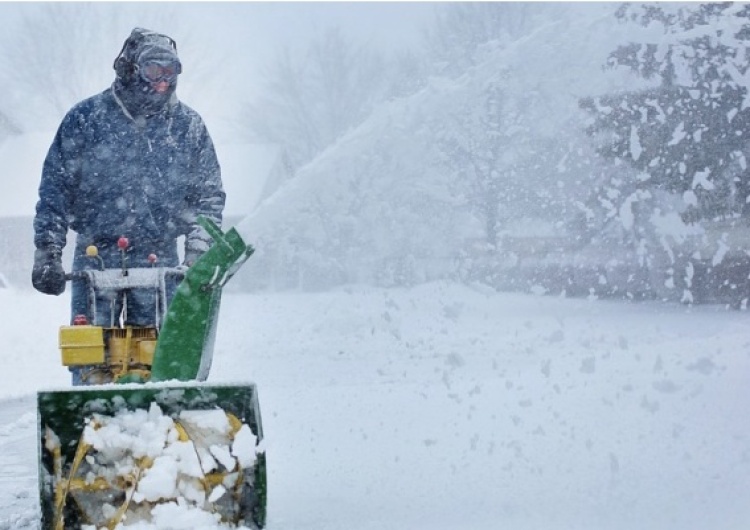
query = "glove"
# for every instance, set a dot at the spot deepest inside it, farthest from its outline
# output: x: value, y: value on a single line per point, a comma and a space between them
x: 197, y: 243
x: 191, y: 256
x: 48, y: 275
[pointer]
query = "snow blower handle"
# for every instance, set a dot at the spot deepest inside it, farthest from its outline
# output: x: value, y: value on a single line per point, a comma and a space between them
x: 139, y: 277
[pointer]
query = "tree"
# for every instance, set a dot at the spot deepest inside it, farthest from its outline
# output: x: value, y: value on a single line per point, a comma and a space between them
x: 461, y: 28
x: 679, y: 147
x: 406, y: 74
x: 688, y: 134
x: 474, y: 149
x: 45, y: 60
x: 61, y: 53
x: 307, y: 103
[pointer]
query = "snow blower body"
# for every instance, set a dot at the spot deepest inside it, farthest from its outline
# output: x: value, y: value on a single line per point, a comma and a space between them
x: 148, y: 433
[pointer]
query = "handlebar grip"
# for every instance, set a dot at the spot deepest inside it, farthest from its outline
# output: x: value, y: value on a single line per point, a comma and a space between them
x: 176, y: 272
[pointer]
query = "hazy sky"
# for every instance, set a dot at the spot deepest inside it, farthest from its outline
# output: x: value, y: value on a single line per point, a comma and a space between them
x: 389, y: 25
x: 256, y: 31
x: 241, y: 36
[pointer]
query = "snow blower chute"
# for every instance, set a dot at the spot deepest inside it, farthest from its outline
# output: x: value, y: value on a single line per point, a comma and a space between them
x: 149, y: 436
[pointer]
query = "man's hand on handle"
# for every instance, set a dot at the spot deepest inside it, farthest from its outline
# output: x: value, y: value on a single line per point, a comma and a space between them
x: 48, y: 275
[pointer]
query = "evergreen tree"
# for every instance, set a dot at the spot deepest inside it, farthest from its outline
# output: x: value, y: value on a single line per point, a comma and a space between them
x: 689, y: 133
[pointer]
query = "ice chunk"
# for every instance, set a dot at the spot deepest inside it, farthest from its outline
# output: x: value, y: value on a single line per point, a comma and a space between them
x: 244, y: 448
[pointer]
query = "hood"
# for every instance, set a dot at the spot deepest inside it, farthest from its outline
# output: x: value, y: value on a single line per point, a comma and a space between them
x: 138, y: 96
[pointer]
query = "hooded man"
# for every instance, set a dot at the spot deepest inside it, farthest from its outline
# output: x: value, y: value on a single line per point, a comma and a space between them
x: 132, y: 161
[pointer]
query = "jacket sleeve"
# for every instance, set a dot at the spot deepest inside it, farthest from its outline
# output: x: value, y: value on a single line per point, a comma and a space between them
x: 207, y: 197
x: 56, y: 189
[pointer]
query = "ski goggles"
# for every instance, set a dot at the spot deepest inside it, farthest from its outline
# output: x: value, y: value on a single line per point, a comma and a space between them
x: 155, y: 71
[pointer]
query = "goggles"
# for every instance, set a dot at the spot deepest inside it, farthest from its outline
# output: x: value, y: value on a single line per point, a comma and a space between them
x: 155, y: 71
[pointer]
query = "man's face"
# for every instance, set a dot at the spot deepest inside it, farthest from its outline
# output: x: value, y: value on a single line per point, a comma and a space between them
x: 160, y: 87
x: 160, y: 75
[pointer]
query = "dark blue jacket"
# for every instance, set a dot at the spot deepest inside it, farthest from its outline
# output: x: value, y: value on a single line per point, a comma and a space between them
x: 108, y: 175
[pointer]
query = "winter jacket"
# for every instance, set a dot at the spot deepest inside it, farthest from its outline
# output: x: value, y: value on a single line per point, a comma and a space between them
x: 109, y: 175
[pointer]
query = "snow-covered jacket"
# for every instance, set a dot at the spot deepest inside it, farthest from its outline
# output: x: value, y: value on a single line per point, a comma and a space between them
x: 109, y: 175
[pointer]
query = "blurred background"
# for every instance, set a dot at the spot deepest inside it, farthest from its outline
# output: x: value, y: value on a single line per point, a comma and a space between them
x: 576, y: 149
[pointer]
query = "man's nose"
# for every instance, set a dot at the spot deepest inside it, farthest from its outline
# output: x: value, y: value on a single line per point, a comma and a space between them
x: 161, y: 86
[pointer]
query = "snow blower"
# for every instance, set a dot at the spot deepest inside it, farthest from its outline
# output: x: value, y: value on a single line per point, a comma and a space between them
x: 149, y: 436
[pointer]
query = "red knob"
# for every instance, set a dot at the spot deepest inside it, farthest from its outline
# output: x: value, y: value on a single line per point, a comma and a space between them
x: 152, y: 258
x: 80, y: 320
x: 123, y: 243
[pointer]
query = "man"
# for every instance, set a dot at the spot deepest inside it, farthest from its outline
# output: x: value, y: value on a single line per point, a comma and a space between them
x: 131, y: 162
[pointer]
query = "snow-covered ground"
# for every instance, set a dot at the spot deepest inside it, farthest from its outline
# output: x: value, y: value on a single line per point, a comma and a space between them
x: 450, y: 407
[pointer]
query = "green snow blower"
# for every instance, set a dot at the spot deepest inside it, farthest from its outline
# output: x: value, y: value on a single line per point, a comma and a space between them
x: 148, y: 433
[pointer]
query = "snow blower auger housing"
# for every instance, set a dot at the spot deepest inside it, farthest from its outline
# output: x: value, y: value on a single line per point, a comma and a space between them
x: 149, y: 435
